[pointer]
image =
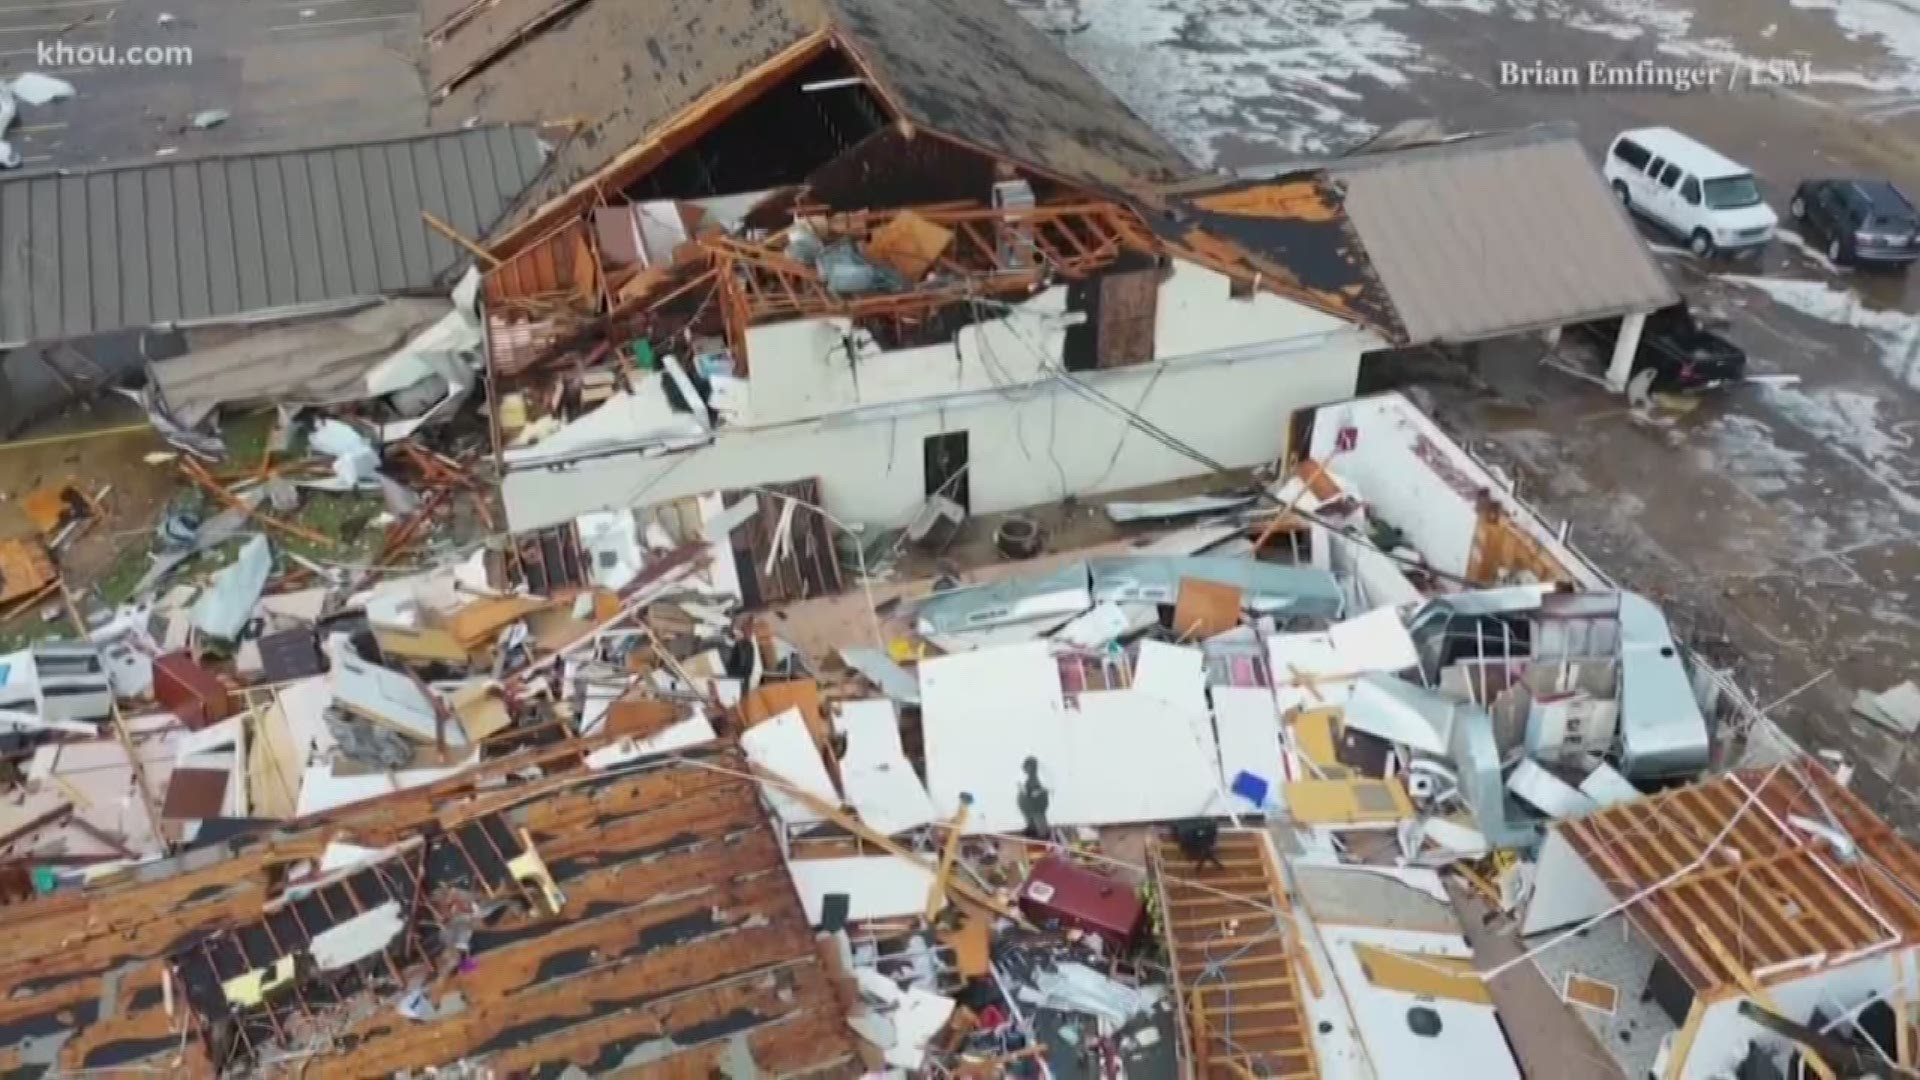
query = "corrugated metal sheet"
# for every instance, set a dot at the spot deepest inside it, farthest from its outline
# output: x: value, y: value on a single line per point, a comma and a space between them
x: 1496, y: 235
x: 193, y: 241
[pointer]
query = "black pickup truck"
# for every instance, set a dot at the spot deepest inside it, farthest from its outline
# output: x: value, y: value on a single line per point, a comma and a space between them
x: 1681, y: 353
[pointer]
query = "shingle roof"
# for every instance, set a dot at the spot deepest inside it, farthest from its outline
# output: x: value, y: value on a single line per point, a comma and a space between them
x: 680, y: 943
x: 972, y: 70
x: 1494, y: 235
x: 195, y: 241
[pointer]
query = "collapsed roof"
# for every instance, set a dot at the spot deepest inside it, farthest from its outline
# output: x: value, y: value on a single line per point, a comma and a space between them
x: 678, y: 939
x: 631, y: 75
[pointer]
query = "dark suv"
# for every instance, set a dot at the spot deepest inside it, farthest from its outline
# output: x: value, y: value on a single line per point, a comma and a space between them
x: 1862, y: 221
x: 1680, y: 352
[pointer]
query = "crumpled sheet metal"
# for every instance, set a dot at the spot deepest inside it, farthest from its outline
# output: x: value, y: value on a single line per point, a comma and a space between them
x: 223, y: 610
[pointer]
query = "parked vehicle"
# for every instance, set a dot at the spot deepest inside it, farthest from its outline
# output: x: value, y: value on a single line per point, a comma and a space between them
x: 1862, y: 221
x: 1708, y: 200
x: 1676, y: 351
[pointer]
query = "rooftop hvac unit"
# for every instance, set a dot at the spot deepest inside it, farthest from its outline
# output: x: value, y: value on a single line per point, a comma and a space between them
x: 1017, y: 249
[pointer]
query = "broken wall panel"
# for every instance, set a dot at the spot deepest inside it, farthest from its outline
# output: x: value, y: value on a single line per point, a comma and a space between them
x: 786, y: 551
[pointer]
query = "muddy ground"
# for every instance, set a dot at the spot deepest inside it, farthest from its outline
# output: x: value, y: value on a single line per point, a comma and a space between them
x: 1780, y: 525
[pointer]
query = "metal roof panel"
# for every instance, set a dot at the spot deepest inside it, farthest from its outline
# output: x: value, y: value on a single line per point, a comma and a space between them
x: 1489, y: 236
x: 190, y: 241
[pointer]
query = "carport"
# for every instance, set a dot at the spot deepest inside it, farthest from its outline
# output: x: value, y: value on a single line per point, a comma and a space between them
x: 101, y: 269
x: 1478, y: 237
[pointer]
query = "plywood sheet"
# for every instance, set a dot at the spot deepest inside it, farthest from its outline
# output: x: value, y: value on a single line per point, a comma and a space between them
x: 1591, y: 993
x: 1349, y: 803
x: 1316, y: 735
x: 771, y: 699
x: 1446, y: 977
x: 477, y: 623
x: 1205, y: 608
x: 909, y: 244
x: 274, y: 765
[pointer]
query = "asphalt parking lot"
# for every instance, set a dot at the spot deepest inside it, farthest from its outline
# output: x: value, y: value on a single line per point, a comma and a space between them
x: 289, y: 73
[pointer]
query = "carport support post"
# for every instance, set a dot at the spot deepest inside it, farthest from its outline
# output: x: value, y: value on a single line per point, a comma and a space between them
x: 1624, y: 348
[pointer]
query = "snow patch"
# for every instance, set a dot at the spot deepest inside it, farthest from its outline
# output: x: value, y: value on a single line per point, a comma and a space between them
x: 1744, y: 447
x: 1896, y: 333
x: 1849, y: 421
x: 1805, y: 247
x: 1895, y: 23
x: 1281, y: 78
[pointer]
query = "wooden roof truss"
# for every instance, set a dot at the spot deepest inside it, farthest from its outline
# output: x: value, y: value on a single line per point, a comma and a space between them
x: 1230, y: 932
x: 1782, y: 901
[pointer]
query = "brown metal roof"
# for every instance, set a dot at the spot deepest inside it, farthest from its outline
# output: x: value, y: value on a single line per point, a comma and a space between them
x: 1495, y: 235
x: 681, y: 941
x: 972, y: 70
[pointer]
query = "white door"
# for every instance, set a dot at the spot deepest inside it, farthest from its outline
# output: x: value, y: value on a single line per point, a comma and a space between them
x: 1663, y: 196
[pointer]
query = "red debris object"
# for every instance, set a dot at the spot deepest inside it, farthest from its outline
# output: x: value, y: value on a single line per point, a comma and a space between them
x: 1058, y: 893
x: 190, y: 692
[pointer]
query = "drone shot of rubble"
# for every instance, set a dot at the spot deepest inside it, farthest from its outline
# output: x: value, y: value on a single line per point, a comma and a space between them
x: 791, y: 538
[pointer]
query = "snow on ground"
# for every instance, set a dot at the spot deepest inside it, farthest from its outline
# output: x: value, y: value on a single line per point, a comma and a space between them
x: 1894, y: 23
x: 1850, y: 422
x: 1284, y: 74
x: 1805, y: 247
x: 1895, y: 333
x: 1287, y: 77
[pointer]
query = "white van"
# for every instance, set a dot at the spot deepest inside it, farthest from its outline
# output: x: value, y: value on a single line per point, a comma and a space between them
x: 1707, y: 200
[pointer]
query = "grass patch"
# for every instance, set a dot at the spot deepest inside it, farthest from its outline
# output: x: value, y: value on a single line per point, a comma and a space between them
x: 346, y: 519
x: 115, y: 585
x: 246, y: 438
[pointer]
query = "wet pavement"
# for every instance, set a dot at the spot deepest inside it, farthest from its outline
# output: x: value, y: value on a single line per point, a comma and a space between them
x: 289, y: 73
x: 1782, y: 525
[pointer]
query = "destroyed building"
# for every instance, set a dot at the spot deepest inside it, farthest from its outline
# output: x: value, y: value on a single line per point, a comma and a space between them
x: 831, y: 249
x: 1337, y: 780
x: 1350, y: 765
x: 111, y: 272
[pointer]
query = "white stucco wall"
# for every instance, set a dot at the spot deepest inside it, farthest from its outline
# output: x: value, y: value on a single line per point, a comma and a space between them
x: 1028, y: 446
x: 1724, y: 1033
x: 1197, y: 313
x: 1423, y: 483
x: 801, y: 370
